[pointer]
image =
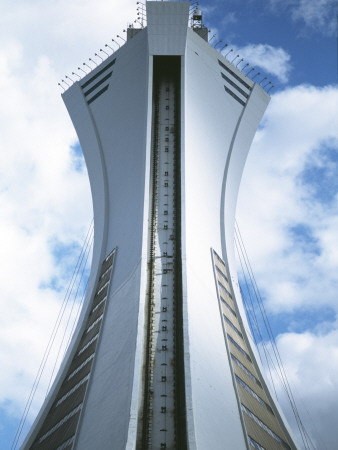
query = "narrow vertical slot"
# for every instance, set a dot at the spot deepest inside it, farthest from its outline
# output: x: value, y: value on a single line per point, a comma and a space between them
x: 163, y: 418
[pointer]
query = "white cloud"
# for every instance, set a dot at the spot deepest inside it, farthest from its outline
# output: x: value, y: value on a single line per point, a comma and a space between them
x: 35, y: 200
x: 68, y: 33
x: 319, y: 15
x: 297, y: 273
x: 229, y: 18
x: 44, y: 200
x: 273, y: 60
x: 311, y: 364
x: 298, y: 122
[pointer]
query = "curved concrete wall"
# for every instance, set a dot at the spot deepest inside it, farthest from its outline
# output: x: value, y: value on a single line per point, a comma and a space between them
x: 120, y: 117
x: 111, y: 109
x: 217, y: 127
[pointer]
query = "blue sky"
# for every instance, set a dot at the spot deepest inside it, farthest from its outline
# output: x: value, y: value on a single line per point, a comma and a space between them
x: 288, y: 201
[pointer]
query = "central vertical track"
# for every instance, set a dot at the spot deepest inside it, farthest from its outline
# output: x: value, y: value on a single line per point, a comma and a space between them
x: 163, y: 411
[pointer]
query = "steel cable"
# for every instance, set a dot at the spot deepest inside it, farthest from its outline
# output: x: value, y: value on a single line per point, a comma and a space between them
x: 49, y: 346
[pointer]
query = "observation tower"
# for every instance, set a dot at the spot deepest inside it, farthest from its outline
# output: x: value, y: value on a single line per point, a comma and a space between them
x: 163, y: 356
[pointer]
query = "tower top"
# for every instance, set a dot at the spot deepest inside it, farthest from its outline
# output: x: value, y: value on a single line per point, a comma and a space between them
x: 167, y: 24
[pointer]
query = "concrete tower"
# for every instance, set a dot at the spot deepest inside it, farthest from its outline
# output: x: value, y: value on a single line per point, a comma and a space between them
x: 163, y: 356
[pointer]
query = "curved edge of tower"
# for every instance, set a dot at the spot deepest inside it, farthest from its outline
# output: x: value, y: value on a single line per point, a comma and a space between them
x: 98, y: 397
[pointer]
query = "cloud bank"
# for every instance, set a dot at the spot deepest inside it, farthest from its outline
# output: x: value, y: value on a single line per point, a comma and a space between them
x: 317, y: 15
x: 288, y: 215
x: 273, y: 60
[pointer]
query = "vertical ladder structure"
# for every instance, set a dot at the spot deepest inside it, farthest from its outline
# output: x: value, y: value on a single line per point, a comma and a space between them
x: 163, y: 385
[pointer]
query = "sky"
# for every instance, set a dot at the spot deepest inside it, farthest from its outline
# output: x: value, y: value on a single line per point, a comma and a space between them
x: 288, y: 201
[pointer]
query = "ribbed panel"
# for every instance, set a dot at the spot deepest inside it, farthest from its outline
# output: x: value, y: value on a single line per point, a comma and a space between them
x: 246, y: 363
x: 220, y: 266
x: 250, y: 382
x: 261, y: 436
x: 107, y: 262
x: 61, y: 421
x: 227, y: 305
x: 229, y: 301
x: 88, y: 337
x: 67, y: 444
x: 96, y: 314
x: 81, y: 358
x: 104, y: 280
x: 248, y: 389
x: 63, y: 433
x: 100, y: 296
x: 237, y: 338
x: 68, y: 385
x: 52, y: 421
x: 58, y: 413
x: 262, y: 413
x: 92, y: 322
x: 231, y: 317
x: 222, y: 290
